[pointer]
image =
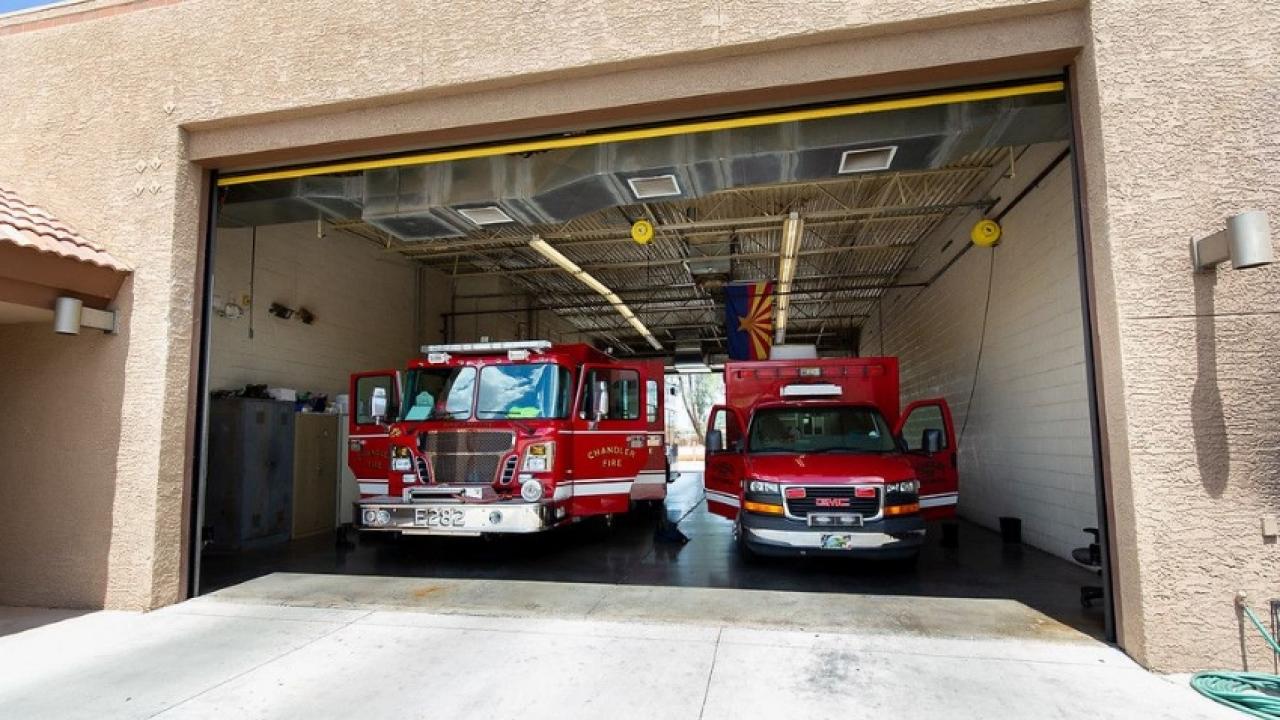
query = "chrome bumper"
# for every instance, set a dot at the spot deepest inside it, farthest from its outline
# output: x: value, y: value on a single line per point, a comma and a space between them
x: 413, y: 518
x: 812, y: 539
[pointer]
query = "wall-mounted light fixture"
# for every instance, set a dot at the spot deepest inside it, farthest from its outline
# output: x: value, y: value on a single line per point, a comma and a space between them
x: 70, y: 314
x: 1246, y: 242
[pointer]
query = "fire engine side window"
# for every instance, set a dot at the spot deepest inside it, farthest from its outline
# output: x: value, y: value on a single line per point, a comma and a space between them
x: 624, y: 394
x: 925, y: 417
x: 364, y: 396
x: 651, y: 400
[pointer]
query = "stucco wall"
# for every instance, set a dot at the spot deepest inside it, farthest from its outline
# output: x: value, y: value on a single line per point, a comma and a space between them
x: 362, y: 298
x: 1025, y: 444
x: 1179, y: 114
x: 1178, y: 111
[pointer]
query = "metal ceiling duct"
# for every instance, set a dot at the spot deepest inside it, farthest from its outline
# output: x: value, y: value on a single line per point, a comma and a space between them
x: 297, y: 200
x: 408, y: 202
x: 448, y: 200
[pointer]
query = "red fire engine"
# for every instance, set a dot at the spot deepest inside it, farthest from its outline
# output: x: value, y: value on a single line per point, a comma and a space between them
x: 507, y: 437
x: 813, y: 457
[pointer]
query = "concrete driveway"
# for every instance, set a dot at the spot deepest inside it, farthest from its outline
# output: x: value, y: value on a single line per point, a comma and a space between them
x: 303, y: 646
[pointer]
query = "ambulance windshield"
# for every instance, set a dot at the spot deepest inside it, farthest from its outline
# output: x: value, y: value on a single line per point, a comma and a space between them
x: 821, y: 429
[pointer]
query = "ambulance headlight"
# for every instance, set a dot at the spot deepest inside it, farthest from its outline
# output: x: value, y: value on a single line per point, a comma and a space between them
x: 761, y: 487
x: 531, y: 491
x: 370, y: 517
x: 909, y: 487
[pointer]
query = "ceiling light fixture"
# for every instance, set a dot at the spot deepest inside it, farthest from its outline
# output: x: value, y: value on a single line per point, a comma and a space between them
x: 545, y: 250
x: 792, y: 230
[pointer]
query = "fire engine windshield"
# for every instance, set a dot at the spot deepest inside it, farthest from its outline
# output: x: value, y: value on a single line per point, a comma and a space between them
x: 540, y: 390
x: 822, y: 429
x: 439, y: 393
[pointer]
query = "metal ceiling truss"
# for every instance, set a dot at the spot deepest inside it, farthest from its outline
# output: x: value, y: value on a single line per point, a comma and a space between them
x: 859, y: 235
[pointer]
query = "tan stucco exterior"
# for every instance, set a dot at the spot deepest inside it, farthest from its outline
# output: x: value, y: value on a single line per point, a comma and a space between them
x: 114, y: 110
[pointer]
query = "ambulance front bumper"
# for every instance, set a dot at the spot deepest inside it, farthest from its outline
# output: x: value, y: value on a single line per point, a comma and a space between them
x: 889, y: 538
x: 445, y: 517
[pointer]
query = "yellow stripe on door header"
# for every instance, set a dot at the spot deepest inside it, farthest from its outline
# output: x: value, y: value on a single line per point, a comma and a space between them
x: 609, y: 136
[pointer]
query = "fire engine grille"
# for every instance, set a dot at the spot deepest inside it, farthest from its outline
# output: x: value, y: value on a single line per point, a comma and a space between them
x: 508, y: 470
x: 466, y: 457
x: 834, y: 500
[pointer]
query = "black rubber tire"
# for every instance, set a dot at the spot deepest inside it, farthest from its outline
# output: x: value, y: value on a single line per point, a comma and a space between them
x: 745, y: 553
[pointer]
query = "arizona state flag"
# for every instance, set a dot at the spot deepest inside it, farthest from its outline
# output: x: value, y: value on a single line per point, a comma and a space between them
x: 748, y: 311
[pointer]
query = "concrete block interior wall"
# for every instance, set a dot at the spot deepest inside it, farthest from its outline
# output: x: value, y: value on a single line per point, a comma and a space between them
x: 361, y: 295
x: 1025, y: 450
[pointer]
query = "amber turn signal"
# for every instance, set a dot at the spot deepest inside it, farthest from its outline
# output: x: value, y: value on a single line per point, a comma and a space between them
x: 762, y: 508
x: 901, y: 509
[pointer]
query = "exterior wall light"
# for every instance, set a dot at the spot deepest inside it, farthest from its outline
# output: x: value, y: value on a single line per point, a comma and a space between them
x: 70, y: 314
x: 1246, y: 242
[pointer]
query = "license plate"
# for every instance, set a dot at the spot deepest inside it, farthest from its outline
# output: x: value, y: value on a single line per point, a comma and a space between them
x: 439, y: 517
x: 840, y: 541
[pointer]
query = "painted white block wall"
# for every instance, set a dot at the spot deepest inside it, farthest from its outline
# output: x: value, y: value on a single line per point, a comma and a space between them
x: 1026, y: 449
x: 361, y: 295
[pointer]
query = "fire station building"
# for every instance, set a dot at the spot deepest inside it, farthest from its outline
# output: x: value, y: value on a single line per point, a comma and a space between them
x: 1055, y: 214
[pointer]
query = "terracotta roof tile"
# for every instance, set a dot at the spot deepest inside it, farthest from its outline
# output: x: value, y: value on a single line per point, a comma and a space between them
x: 31, y: 227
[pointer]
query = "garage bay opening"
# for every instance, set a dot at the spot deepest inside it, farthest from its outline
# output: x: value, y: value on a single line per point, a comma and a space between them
x: 834, y: 349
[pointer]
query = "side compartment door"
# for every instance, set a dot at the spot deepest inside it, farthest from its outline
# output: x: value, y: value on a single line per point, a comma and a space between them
x: 651, y: 482
x: 722, y: 474
x: 368, y: 446
x: 937, y: 471
x: 610, y: 438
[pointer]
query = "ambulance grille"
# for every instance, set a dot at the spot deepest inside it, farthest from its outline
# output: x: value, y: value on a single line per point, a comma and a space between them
x: 466, y: 456
x: 841, y: 498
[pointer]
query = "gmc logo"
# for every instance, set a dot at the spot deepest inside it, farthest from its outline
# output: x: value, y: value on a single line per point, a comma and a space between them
x: 833, y: 502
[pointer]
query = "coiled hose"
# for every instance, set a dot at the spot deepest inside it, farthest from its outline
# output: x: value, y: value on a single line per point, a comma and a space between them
x: 1257, y: 694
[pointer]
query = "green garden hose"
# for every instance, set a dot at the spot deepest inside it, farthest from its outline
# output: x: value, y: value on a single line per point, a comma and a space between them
x: 1257, y: 694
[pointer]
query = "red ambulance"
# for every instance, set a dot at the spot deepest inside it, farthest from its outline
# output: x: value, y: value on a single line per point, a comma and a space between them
x: 813, y: 457
x: 507, y: 437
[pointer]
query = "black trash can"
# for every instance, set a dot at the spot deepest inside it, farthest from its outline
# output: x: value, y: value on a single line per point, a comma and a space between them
x: 1011, y: 530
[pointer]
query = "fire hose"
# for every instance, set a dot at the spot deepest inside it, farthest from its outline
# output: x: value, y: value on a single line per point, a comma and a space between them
x: 1257, y: 694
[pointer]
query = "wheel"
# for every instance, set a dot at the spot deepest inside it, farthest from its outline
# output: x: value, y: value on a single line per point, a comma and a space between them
x: 745, y: 553
x: 905, y: 564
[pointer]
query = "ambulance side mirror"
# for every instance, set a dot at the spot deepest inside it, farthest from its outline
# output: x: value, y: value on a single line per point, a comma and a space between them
x: 931, y: 442
x: 715, y: 441
x: 378, y: 405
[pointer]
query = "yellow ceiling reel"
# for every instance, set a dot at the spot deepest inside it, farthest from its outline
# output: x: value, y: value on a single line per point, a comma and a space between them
x: 985, y: 233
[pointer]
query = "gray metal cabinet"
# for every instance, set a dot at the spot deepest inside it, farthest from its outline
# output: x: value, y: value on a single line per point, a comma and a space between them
x: 249, y: 495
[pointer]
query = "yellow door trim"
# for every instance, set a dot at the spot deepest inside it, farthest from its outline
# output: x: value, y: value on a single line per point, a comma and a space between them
x: 608, y: 136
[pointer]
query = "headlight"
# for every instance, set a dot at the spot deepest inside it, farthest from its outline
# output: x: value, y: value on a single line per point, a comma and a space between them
x: 376, y: 518
x: 537, y: 457
x: 761, y: 487
x: 531, y: 491
x: 910, y: 487
x: 401, y: 464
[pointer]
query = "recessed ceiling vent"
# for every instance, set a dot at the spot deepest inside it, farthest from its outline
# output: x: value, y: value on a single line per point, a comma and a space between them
x: 488, y: 215
x: 644, y: 188
x: 867, y: 160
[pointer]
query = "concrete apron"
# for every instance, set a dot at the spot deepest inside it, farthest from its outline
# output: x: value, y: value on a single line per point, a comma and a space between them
x: 307, y: 646
x: 826, y: 612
